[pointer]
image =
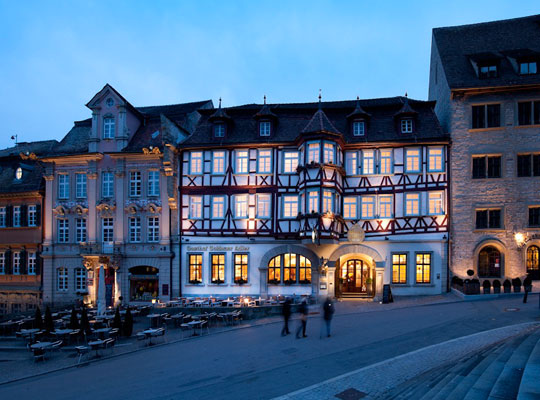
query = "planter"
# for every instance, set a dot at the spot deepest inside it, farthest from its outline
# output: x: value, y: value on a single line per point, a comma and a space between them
x: 487, y: 290
x: 471, y: 287
x: 496, y: 290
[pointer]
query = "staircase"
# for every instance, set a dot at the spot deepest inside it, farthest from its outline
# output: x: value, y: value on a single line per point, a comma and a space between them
x: 346, y: 296
x: 507, y: 370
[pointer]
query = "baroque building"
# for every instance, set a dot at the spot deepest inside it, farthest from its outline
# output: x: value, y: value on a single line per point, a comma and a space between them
x: 484, y: 78
x: 111, y: 201
x: 328, y: 198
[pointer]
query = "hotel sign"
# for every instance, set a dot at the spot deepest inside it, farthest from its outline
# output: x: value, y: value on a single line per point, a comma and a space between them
x: 217, y: 248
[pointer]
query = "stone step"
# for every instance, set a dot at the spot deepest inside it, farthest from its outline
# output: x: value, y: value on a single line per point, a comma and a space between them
x: 415, y: 388
x: 507, y: 384
x: 485, y: 382
x: 530, y: 381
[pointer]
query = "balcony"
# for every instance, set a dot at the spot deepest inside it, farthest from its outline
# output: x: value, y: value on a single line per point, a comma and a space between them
x: 97, y: 248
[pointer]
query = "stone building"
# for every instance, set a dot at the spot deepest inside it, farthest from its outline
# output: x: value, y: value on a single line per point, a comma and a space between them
x: 485, y: 80
x: 111, y: 203
x: 334, y: 198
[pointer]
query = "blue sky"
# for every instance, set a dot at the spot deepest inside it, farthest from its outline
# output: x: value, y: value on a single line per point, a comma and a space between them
x: 56, y: 55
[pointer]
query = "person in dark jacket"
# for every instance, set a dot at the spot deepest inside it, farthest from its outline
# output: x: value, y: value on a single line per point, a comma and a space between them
x: 303, y: 310
x: 328, y: 313
x: 286, y: 315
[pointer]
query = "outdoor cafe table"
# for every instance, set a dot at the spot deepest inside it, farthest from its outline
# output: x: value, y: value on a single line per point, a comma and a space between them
x: 154, y: 319
x: 101, y: 332
x: 178, y: 319
x: 62, y: 333
x: 95, y: 345
x: 148, y: 334
x: 41, y: 345
x: 194, y: 325
x: 29, y: 332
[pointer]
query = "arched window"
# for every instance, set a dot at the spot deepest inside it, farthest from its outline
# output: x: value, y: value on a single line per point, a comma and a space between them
x: 533, y: 253
x: 296, y: 268
x: 489, y: 262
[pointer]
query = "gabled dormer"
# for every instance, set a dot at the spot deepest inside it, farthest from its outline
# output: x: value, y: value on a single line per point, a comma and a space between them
x: 406, y: 118
x: 486, y: 65
x: 114, y: 121
x: 221, y: 122
x: 523, y: 61
x: 266, y: 121
x: 358, y: 120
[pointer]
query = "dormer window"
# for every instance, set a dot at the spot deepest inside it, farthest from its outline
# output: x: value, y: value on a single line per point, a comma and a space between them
x: 528, y: 68
x: 219, y: 130
x: 108, y: 128
x: 265, y: 128
x: 406, y: 125
x: 359, y: 128
x: 488, y: 71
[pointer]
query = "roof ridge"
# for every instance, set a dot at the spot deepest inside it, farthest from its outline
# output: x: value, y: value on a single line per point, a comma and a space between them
x: 174, y: 104
x: 476, y: 24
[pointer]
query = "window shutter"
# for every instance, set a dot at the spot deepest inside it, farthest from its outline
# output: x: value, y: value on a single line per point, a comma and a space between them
x: 38, y: 214
x: 39, y: 263
x: 24, y: 215
x: 9, y: 216
x: 9, y: 262
x: 24, y: 267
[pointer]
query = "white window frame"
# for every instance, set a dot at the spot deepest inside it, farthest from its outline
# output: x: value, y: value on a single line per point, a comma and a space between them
x: 406, y: 125
x: 31, y: 263
x: 107, y: 229
x: 135, y: 229
x: 80, y: 186
x: 386, y: 161
x: 107, y: 184
x: 195, y: 207
x: 135, y: 183
x: 63, y: 230
x: 16, y: 263
x: 351, y: 163
x: 359, y: 127
x: 329, y: 153
x: 241, y: 162
x: 290, y: 206
x: 409, y: 155
x: 219, y: 162
x: 350, y: 207
x: 17, y: 216
x: 368, y: 162
x: 241, y: 206
x: 32, y: 215
x: 290, y: 161
x: 3, y: 217
x: 436, y: 203
x: 109, y: 127
x: 313, y: 152
x: 265, y: 128
x: 410, y: 200
x: 264, y: 206
x: 62, y: 279
x: 153, y: 229
x: 63, y: 186
x: 313, y: 201
x: 80, y: 230
x: 219, y: 203
x: 368, y: 207
x: 435, y: 159
x: 264, y: 155
x: 328, y: 201
x: 386, y: 206
x: 153, y: 183
x: 80, y: 279
x: 196, y: 163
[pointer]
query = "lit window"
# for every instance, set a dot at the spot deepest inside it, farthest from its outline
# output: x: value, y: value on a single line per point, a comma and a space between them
x: 290, y: 162
x: 368, y: 207
x: 368, y: 162
x: 63, y: 186
x: 242, y: 161
x: 153, y: 183
x: 80, y: 279
x: 219, y: 130
x: 264, y: 128
x: 17, y: 216
x: 195, y: 207
x: 108, y: 128
x: 423, y: 268
x: 351, y: 163
x: 436, y: 203
x: 274, y: 270
x: 218, y: 207
x: 80, y: 186
x: 196, y: 163
x: 412, y: 160
x: 350, y: 208
x: 314, y: 153
x: 31, y: 263
x: 134, y: 229
x: 240, y: 268
x: 386, y: 162
x: 195, y: 268
x: 406, y: 125
x: 329, y: 153
x: 289, y: 268
x: 135, y: 183
x: 32, y: 215
x: 412, y: 204
x: 218, y: 268
x: 241, y: 206
x: 16, y: 263
x: 107, y: 230
x: 80, y: 230
x: 62, y: 279
x: 218, y: 162
x: 265, y: 161
x: 290, y: 206
x: 313, y: 201
x: 327, y: 201
x: 304, y: 270
x: 385, y: 206
x: 528, y: 68
x: 107, y: 184
x: 153, y: 229
x: 399, y: 268
x: 63, y: 231
x: 435, y: 160
x: 263, y: 206
x: 359, y: 128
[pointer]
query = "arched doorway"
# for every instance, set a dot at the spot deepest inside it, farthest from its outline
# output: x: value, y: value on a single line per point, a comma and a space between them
x: 533, y: 264
x: 354, y: 276
x: 489, y: 262
x: 143, y: 283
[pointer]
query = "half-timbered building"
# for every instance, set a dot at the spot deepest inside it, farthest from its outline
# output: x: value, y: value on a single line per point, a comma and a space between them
x: 328, y: 198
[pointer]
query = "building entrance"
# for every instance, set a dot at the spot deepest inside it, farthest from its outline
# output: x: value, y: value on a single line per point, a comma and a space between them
x: 354, y: 276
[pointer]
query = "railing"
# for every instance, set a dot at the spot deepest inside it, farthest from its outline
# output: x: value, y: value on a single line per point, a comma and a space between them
x: 97, y: 248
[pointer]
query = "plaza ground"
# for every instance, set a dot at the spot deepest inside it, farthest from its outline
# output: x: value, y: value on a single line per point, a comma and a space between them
x: 255, y: 362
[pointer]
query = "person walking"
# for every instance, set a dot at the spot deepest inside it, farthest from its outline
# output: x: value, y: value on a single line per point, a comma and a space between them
x: 286, y: 315
x: 303, y: 310
x: 328, y: 313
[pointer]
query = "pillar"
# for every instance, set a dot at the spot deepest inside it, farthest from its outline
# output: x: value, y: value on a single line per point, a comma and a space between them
x: 379, y: 280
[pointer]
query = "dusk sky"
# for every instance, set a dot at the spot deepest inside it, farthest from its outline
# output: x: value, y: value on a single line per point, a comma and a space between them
x: 57, y: 55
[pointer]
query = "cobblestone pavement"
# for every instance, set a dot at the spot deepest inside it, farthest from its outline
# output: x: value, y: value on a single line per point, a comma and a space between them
x: 256, y: 362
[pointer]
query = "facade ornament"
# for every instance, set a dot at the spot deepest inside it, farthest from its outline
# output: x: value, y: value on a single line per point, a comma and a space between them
x: 49, y: 177
x: 151, y: 150
x: 28, y: 156
x: 92, y: 175
x: 172, y: 203
x: 59, y: 210
x: 106, y: 208
x: 153, y: 208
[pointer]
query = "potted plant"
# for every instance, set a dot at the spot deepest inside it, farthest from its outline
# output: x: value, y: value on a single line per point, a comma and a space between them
x: 457, y: 283
x: 304, y: 282
x: 240, y: 281
x: 195, y: 281
x: 516, y: 283
x: 496, y: 286
x: 369, y: 286
x: 527, y: 284
x: 289, y: 281
x: 487, y: 286
x: 507, y: 286
x: 471, y: 286
x: 273, y: 281
x: 218, y: 281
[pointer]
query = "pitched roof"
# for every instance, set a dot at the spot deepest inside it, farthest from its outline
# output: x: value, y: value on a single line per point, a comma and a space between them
x: 32, y: 177
x: 320, y: 123
x: 38, y: 148
x: 292, y: 119
x: 502, y: 40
